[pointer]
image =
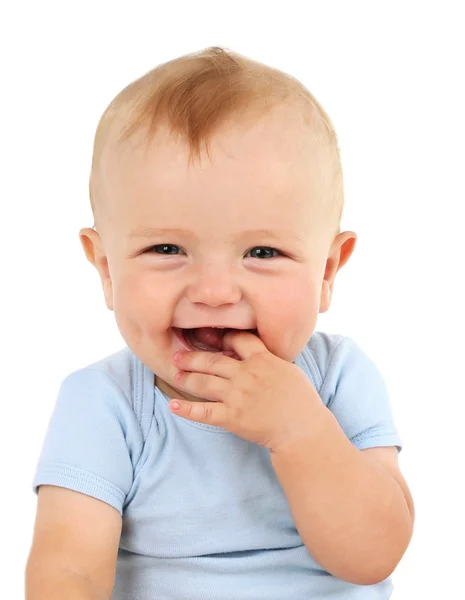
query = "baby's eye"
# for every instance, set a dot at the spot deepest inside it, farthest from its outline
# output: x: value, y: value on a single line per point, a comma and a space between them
x: 167, y: 249
x: 263, y: 250
x: 163, y: 249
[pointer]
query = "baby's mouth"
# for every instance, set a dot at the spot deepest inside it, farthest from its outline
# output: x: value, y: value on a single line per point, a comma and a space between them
x: 207, y: 339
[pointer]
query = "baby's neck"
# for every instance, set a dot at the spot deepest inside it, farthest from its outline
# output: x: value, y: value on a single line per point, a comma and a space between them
x: 172, y: 393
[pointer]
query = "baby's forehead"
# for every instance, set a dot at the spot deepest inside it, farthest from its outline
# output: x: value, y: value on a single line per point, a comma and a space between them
x: 233, y: 172
x: 268, y: 164
x: 251, y: 161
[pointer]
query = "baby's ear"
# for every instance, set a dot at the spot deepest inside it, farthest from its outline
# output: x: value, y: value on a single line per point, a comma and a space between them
x: 347, y: 246
x: 340, y: 252
x: 94, y: 251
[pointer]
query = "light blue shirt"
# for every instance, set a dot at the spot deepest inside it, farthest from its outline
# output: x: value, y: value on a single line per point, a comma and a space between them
x: 204, y: 515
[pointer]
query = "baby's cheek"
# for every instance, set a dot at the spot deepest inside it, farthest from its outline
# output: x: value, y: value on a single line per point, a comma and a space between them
x: 134, y: 313
x: 296, y: 316
x: 293, y: 301
x: 279, y: 316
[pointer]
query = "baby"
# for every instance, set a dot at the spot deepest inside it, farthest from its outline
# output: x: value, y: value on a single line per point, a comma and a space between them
x: 228, y: 450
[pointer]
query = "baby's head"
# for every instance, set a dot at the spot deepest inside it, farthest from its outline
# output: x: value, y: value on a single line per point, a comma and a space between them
x: 217, y: 194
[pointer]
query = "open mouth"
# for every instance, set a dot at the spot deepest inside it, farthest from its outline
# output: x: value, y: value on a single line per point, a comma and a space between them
x: 207, y: 339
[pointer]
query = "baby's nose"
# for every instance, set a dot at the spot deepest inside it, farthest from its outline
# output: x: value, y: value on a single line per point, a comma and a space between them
x: 214, y: 286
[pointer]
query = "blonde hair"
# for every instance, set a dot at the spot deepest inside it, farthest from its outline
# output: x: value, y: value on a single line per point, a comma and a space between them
x: 197, y: 93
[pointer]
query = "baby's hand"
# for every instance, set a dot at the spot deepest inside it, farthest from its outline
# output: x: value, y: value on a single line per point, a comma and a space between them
x: 261, y: 398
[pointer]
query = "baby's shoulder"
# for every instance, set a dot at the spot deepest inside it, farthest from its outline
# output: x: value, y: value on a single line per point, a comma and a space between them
x: 322, y: 344
x: 323, y: 350
x: 119, y: 368
x: 116, y: 381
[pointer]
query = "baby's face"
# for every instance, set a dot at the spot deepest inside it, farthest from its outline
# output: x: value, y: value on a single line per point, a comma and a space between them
x: 236, y: 242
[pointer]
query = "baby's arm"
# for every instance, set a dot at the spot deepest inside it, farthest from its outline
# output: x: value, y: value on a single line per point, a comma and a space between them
x: 74, y: 547
x: 352, y: 508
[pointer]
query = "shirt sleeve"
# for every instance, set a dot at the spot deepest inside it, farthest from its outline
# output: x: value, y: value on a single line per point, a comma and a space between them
x: 93, y: 439
x: 356, y: 393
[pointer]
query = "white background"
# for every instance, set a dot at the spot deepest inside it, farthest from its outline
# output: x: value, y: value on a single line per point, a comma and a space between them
x: 390, y: 75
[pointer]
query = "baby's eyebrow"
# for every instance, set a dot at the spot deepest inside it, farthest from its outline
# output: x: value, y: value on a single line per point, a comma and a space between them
x: 280, y: 235
x: 150, y: 232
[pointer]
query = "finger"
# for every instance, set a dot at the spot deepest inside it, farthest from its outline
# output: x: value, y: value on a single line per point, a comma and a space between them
x: 208, y: 387
x: 211, y: 413
x: 211, y: 363
x: 243, y: 343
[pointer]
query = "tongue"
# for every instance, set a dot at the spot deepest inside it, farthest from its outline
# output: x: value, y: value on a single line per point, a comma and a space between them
x: 208, y: 338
